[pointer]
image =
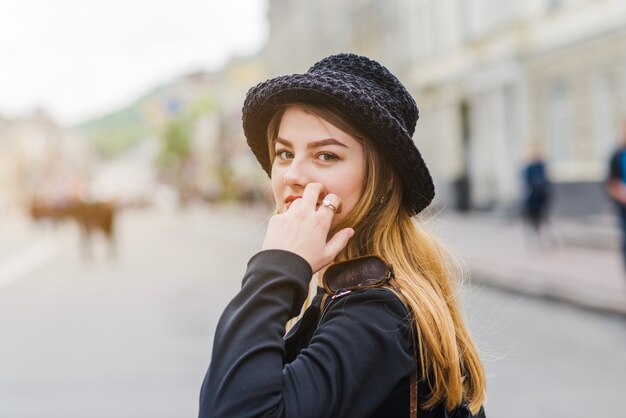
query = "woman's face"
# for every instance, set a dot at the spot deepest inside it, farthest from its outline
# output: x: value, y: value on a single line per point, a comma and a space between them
x: 309, y: 149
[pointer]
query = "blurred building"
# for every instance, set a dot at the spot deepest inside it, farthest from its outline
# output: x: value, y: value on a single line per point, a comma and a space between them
x: 189, y: 101
x: 242, y: 177
x: 39, y: 158
x: 492, y: 78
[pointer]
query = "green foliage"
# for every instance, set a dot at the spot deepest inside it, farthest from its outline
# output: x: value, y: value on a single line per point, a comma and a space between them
x: 176, y: 144
x: 112, y: 142
x: 202, y: 107
x: 114, y: 133
x: 151, y: 115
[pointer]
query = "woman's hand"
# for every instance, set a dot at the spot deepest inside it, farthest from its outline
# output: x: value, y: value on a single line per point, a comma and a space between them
x: 303, y: 228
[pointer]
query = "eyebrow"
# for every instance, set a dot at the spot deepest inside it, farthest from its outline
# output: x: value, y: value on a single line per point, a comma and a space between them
x: 311, y: 145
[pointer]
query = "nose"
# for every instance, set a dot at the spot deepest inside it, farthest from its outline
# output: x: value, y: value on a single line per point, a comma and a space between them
x: 297, y: 174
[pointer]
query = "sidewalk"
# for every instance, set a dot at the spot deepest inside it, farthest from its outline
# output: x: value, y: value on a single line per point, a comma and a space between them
x: 16, y: 232
x: 496, y: 250
x: 23, y: 247
x: 497, y: 253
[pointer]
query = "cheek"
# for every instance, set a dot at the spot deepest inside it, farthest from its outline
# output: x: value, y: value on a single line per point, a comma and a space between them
x: 350, y: 193
x: 277, y: 184
x: 349, y: 203
x: 351, y: 182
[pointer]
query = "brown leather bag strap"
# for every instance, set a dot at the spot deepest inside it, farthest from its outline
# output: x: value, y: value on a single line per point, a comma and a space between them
x: 414, y: 379
x: 414, y: 395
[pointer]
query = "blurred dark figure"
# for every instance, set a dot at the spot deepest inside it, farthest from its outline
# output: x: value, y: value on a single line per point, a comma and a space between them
x: 537, y: 198
x: 616, y: 185
x: 90, y: 216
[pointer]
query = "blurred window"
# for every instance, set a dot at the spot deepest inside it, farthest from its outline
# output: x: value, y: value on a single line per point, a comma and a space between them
x: 560, y: 124
x: 604, y: 121
x: 480, y: 18
x: 554, y: 4
x: 623, y: 91
x: 425, y: 28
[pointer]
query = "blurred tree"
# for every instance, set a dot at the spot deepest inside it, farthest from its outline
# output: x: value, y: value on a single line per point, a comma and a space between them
x: 176, y: 142
x: 114, y: 133
x: 175, y: 155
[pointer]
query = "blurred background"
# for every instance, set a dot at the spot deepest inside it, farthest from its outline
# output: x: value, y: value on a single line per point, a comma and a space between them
x: 130, y: 202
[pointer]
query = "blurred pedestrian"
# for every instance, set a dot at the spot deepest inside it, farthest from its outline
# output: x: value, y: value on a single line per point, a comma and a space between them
x: 537, y: 197
x: 616, y: 185
x: 382, y: 335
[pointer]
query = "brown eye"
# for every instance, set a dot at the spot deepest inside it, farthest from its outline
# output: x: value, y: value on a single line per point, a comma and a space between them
x: 327, y: 156
x: 283, y: 154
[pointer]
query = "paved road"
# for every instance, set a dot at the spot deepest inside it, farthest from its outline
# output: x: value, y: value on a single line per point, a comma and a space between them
x: 131, y: 338
x: 548, y: 359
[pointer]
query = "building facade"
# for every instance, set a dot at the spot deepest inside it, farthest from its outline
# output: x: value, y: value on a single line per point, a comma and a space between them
x: 493, y: 80
x: 39, y: 158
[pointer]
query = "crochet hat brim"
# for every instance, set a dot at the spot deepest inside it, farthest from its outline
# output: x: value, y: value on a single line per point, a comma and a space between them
x: 355, y: 98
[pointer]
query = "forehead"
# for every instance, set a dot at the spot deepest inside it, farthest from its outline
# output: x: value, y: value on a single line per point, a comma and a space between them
x: 297, y: 126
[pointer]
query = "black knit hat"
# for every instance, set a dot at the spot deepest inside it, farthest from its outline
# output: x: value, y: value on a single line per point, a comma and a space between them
x: 368, y: 95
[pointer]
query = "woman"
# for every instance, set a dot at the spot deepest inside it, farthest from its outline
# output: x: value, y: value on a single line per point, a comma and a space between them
x: 383, y: 335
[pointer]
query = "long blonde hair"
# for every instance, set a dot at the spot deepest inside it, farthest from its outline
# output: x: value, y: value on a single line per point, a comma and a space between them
x: 424, y: 272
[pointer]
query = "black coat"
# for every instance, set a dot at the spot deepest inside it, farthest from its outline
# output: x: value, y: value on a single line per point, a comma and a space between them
x: 354, y: 362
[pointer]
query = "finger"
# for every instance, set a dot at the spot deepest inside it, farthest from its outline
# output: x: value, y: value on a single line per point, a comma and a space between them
x: 311, y: 195
x: 332, y: 203
x: 295, y: 204
x: 338, y: 242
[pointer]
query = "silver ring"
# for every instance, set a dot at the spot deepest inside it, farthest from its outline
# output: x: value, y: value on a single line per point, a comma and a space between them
x: 329, y: 205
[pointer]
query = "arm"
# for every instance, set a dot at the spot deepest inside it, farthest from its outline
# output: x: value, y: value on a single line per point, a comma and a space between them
x: 356, y: 356
x: 614, y: 184
x: 617, y: 190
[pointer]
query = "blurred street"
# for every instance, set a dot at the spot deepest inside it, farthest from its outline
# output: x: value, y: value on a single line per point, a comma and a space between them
x: 574, y: 268
x: 124, y: 338
x: 131, y: 336
x: 130, y: 200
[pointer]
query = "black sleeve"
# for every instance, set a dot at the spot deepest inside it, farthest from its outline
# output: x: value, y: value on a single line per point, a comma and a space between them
x: 355, y: 358
x: 614, y: 168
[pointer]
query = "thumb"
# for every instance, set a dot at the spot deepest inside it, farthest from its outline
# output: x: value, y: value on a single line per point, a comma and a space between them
x: 338, y: 242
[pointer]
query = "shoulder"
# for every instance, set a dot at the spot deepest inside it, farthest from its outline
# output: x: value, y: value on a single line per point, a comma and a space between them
x: 616, y: 156
x: 375, y: 308
x: 373, y: 298
x: 615, y: 164
x: 372, y: 322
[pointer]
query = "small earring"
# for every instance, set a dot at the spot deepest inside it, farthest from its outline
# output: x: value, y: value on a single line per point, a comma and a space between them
x: 381, y: 200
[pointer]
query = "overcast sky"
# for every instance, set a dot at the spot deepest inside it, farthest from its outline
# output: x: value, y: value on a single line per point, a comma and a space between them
x: 81, y: 58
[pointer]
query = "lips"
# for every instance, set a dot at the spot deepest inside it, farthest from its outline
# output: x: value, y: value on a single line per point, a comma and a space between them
x: 289, y: 200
